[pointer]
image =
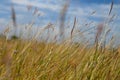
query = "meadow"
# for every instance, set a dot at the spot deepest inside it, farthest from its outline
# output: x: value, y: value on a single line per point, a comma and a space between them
x: 32, y: 60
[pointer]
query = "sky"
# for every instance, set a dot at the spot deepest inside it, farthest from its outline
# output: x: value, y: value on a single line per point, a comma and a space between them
x: 50, y: 9
x: 86, y: 11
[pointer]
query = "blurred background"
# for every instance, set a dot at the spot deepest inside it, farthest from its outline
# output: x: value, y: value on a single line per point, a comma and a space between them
x: 39, y: 14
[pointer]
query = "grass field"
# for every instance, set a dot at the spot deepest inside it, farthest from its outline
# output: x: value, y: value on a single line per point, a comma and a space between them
x: 32, y: 60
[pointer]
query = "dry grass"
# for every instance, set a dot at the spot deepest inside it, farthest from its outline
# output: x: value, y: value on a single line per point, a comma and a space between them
x: 26, y: 60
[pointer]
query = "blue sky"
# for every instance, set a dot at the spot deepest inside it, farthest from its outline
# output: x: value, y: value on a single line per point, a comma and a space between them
x: 50, y: 12
x: 50, y: 9
x: 96, y: 1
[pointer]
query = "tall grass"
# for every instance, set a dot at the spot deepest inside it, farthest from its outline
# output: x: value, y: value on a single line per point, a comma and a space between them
x: 33, y: 60
x: 23, y: 60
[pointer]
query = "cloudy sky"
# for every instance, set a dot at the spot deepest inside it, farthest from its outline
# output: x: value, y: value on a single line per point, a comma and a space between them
x: 86, y: 11
x: 49, y: 9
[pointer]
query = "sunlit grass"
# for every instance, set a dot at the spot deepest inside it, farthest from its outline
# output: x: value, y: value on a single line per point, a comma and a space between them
x: 26, y: 60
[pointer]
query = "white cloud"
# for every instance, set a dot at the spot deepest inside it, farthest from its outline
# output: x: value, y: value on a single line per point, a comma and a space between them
x: 2, y: 21
x: 50, y: 5
x: 101, y: 11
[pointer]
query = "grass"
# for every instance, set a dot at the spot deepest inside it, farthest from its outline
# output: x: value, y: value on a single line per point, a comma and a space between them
x: 26, y: 60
